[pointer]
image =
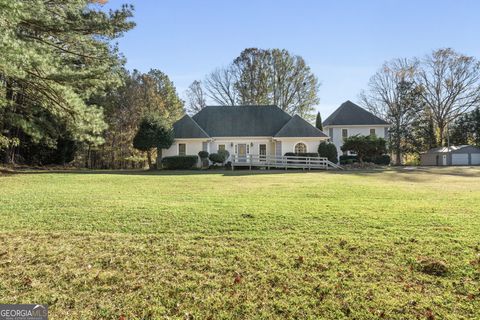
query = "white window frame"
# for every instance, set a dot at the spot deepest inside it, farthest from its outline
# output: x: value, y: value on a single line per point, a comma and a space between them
x: 295, y: 147
x: 374, y: 131
x: 179, y: 149
x: 262, y: 144
x: 341, y: 132
x: 224, y: 147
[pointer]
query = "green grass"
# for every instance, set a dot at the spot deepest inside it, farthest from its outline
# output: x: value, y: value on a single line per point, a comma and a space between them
x: 241, y: 245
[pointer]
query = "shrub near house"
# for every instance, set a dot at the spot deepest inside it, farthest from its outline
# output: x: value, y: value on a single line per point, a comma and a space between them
x: 365, y: 146
x: 179, y: 162
x: 329, y: 151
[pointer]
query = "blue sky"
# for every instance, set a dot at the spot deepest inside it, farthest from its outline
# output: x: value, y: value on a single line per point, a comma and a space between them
x: 344, y: 42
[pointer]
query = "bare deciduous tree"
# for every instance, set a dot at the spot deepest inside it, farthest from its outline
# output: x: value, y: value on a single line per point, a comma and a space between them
x: 197, y: 99
x: 271, y: 76
x: 394, y: 96
x: 450, y: 84
x: 220, y: 86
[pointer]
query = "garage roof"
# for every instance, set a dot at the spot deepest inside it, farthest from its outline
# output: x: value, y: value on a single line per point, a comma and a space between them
x: 464, y: 148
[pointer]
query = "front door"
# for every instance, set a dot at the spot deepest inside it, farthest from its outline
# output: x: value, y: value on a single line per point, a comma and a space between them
x: 242, y: 152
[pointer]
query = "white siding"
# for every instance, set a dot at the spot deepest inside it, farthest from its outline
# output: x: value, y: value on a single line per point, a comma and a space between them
x: 193, y: 147
x: 352, y: 130
x: 253, y: 144
x: 289, y: 145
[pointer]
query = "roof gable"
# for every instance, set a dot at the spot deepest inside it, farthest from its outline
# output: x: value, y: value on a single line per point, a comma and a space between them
x: 186, y: 128
x: 241, y: 121
x: 351, y: 114
x: 299, y: 127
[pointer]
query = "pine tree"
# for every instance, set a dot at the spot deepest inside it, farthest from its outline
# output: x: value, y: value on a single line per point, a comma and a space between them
x: 55, y: 56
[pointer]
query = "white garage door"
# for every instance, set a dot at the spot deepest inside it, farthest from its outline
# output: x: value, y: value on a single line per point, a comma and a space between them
x: 460, y: 159
x: 476, y: 159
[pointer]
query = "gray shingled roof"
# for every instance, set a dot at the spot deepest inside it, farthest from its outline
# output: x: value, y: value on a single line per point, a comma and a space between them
x: 187, y: 128
x: 241, y: 121
x: 351, y: 114
x: 299, y: 127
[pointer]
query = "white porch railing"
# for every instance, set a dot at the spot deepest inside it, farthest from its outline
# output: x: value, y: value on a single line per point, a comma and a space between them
x: 271, y: 161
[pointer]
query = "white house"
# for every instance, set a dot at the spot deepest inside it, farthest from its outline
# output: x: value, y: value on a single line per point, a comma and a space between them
x: 349, y: 120
x: 243, y: 131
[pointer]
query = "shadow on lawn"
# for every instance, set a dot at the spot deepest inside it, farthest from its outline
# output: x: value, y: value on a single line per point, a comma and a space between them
x: 405, y: 173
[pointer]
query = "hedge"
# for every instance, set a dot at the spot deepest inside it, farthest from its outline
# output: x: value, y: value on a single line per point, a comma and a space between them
x: 179, y: 162
x: 381, y: 160
x: 307, y: 155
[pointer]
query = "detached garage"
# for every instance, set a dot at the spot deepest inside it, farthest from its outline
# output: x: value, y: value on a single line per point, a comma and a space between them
x: 454, y: 156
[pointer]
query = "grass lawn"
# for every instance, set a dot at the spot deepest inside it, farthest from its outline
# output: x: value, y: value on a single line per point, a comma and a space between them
x: 395, y: 244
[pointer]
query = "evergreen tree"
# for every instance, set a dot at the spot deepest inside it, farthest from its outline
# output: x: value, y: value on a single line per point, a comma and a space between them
x: 55, y: 56
x: 318, y: 122
x: 153, y: 132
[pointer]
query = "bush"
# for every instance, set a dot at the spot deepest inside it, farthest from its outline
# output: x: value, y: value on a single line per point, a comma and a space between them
x: 382, y: 160
x: 217, y: 157
x: 329, y: 151
x: 348, y: 159
x: 224, y: 153
x: 365, y: 146
x: 179, y: 162
x: 203, y: 155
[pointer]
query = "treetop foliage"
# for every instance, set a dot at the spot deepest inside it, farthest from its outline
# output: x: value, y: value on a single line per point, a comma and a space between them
x: 55, y: 56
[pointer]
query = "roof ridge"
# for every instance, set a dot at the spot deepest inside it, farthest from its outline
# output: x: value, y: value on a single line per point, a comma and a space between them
x: 198, y: 125
x: 303, y: 121
x: 349, y: 113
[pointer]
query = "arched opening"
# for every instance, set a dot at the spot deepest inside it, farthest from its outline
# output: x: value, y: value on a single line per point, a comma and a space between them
x: 300, y: 148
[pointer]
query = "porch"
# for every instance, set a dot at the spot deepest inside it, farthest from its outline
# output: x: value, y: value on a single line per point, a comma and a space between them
x: 274, y: 161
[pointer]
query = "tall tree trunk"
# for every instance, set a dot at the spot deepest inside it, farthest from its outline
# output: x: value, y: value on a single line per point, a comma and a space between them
x: 398, y: 155
x: 87, y: 158
x: 159, y: 158
x: 441, y: 133
x: 149, y: 158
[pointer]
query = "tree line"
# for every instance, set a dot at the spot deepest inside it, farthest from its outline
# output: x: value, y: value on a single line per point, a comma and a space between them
x: 430, y: 101
x: 64, y: 92
x: 66, y: 97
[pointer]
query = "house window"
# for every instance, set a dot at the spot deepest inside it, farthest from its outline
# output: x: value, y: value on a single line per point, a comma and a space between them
x: 182, y: 149
x: 236, y: 149
x: 221, y: 147
x: 248, y: 148
x: 372, y: 132
x: 344, y: 133
x: 300, y: 148
x: 262, y: 151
